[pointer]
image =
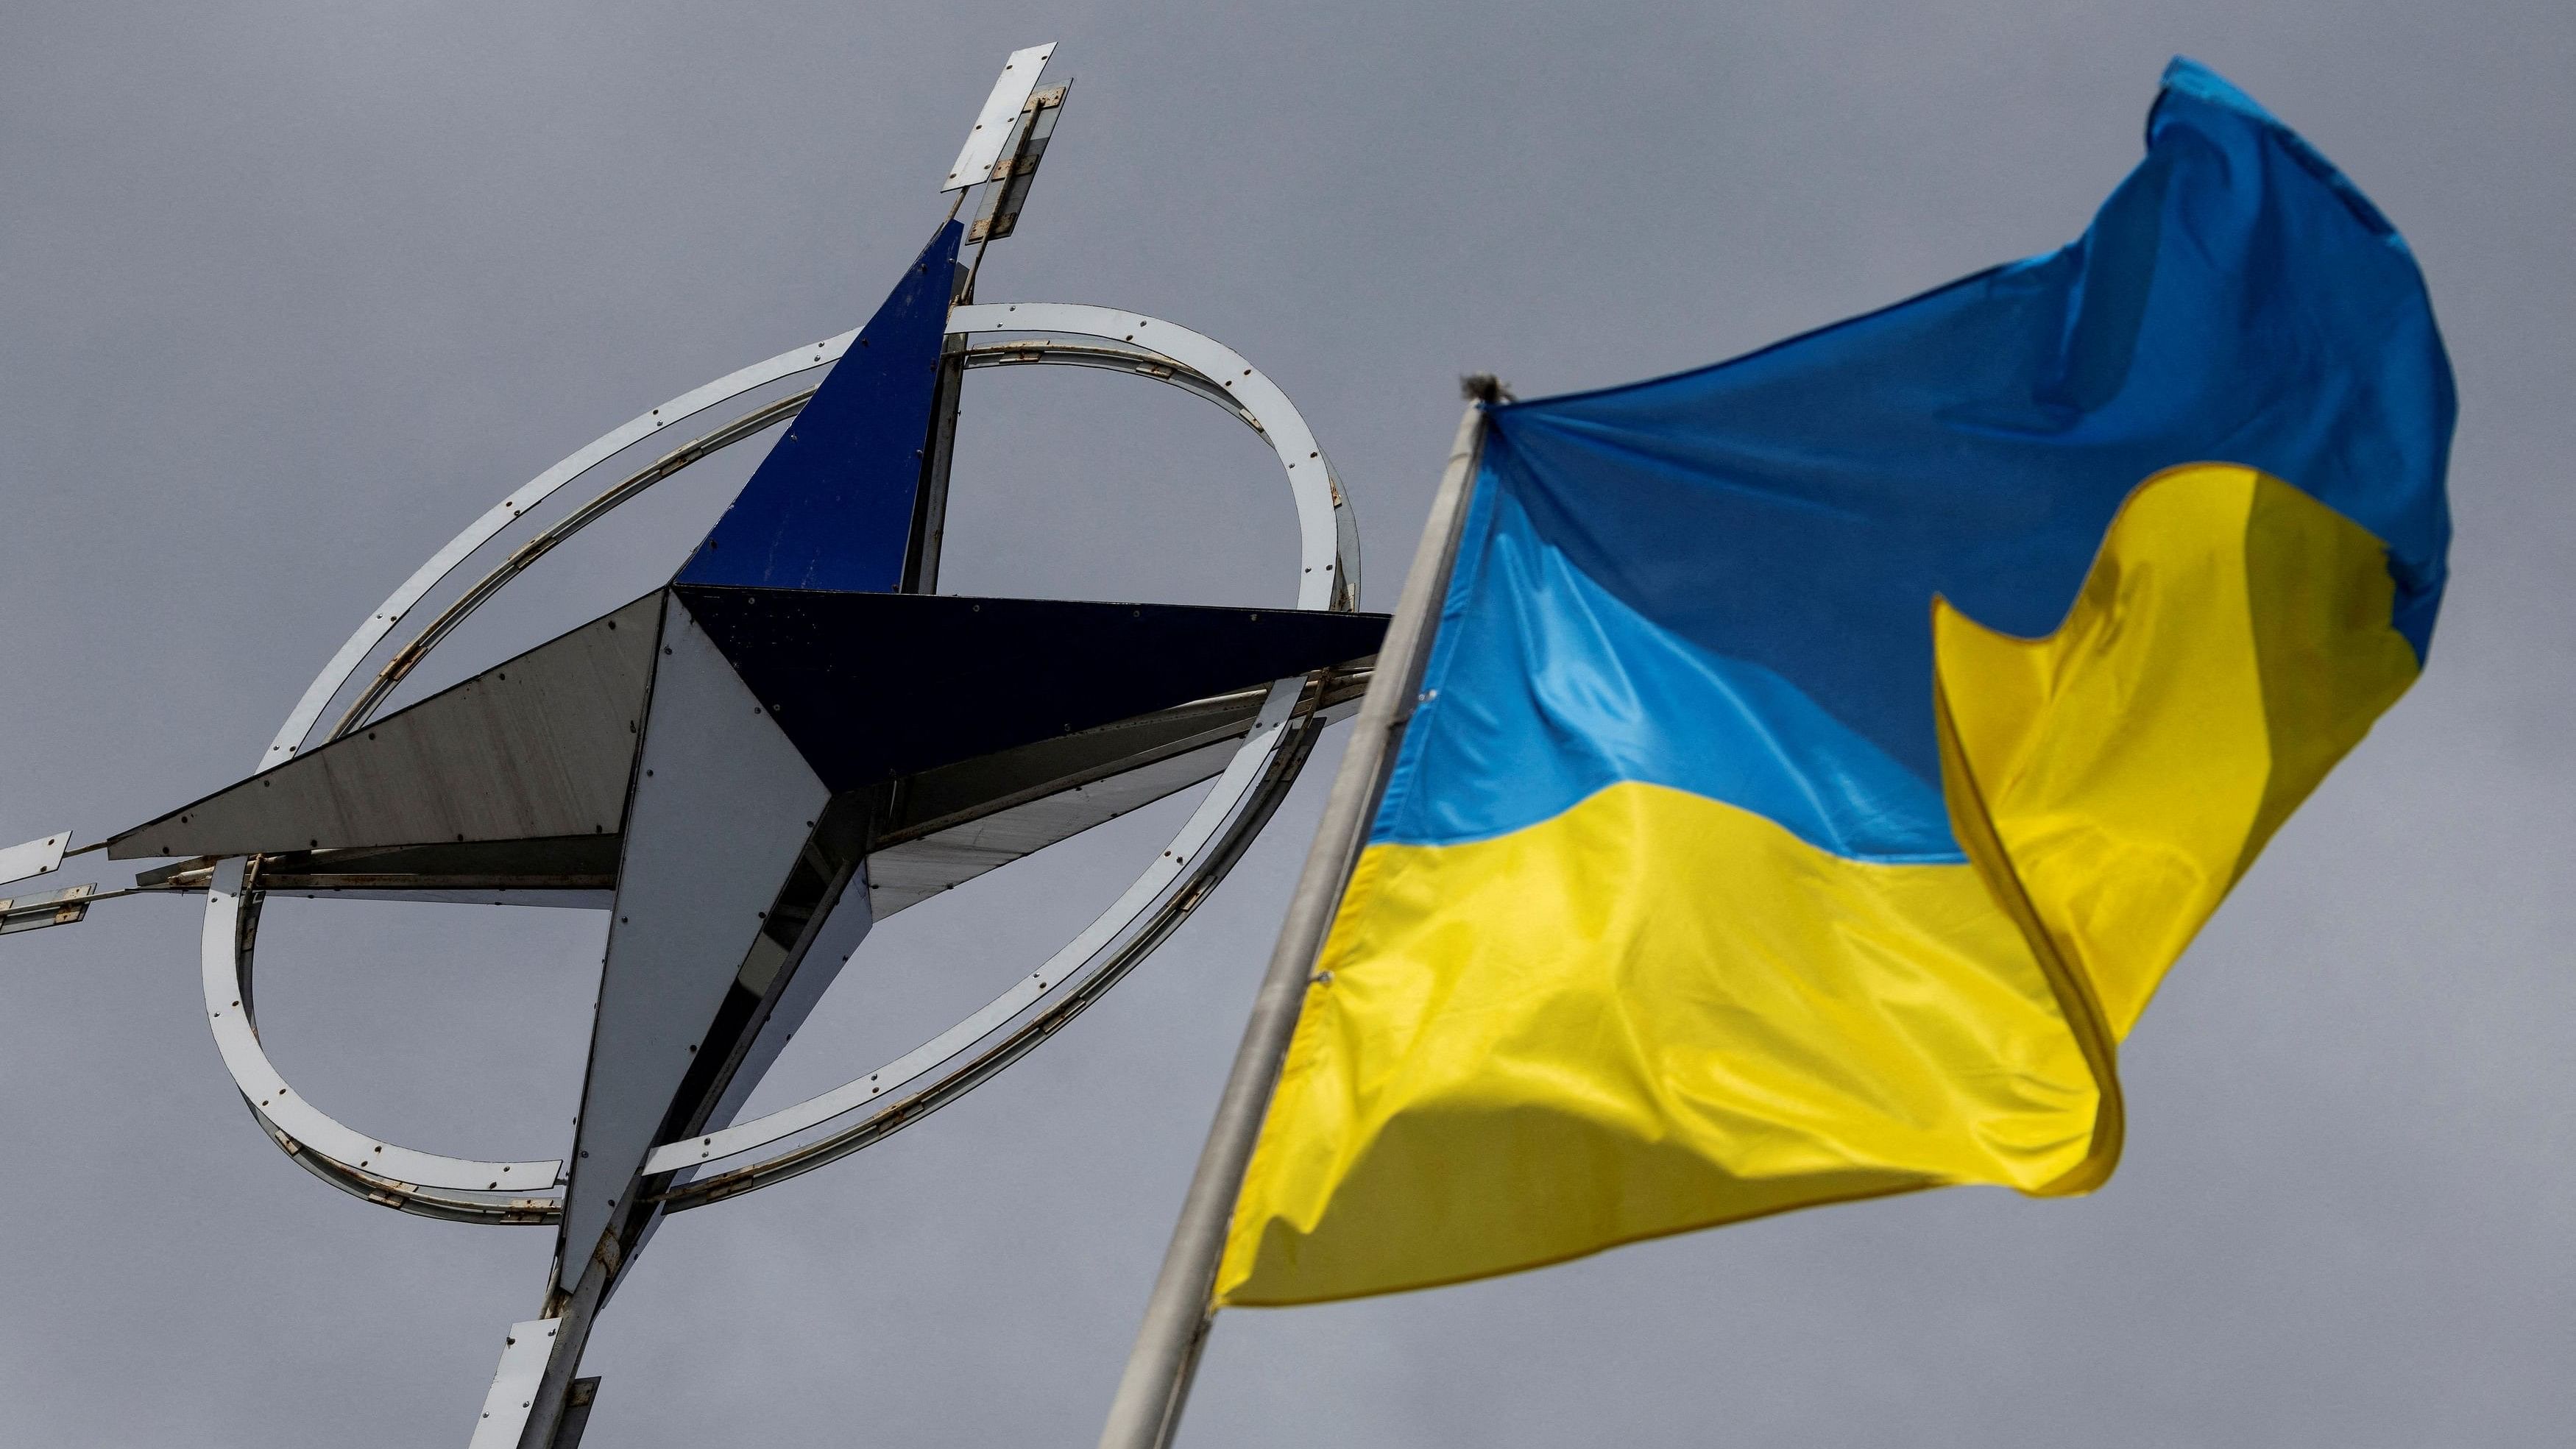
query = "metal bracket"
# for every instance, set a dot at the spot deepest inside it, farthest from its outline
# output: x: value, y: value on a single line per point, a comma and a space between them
x: 1018, y: 168
x: 51, y: 908
x: 576, y: 1414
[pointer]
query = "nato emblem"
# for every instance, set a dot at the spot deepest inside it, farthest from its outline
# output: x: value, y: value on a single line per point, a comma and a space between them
x: 750, y: 766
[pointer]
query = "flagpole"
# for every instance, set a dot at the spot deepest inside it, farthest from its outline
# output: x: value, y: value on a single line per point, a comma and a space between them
x: 1157, y: 1383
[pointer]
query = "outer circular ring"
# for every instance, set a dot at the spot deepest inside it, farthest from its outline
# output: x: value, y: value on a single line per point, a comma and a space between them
x: 1179, y: 877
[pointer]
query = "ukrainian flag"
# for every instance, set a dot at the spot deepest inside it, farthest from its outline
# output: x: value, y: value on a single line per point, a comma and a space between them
x: 1823, y: 755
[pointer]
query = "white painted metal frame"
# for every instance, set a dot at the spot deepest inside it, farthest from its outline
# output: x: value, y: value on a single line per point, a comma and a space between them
x: 1328, y: 533
x: 379, y: 1171
x: 514, y: 1383
x: 35, y: 858
x: 992, y: 127
x: 1237, y: 804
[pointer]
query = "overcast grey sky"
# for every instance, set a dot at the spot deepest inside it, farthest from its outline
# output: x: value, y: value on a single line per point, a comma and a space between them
x: 288, y: 294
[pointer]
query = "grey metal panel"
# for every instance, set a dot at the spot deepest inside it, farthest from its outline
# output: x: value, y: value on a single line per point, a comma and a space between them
x: 576, y: 900
x: 951, y: 795
x: 930, y: 506
x: 514, y: 1383
x: 538, y: 746
x: 912, y: 872
x: 563, y: 862
x: 578, y: 870
x: 36, y: 857
x: 723, y: 805
x: 1001, y: 112
x: 958, y: 822
x: 851, y: 919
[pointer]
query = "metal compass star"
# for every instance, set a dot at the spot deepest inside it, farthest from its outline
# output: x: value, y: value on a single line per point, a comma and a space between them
x: 751, y: 765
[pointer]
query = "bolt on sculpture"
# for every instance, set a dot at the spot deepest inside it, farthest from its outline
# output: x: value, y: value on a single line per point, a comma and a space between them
x: 748, y: 767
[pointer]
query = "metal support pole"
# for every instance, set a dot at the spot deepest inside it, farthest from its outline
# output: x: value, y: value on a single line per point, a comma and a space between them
x: 1157, y: 1383
x: 574, y: 1314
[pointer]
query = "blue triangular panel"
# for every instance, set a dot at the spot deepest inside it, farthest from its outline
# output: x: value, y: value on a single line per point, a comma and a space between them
x: 831, y: 506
